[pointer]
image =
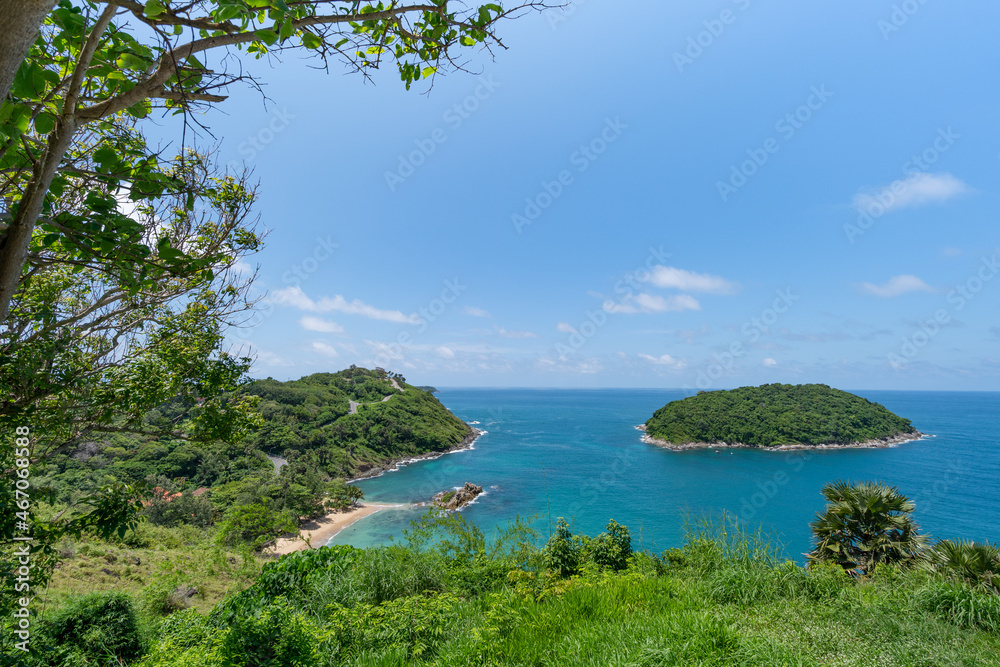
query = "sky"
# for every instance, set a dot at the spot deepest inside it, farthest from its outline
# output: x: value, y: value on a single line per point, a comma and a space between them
x: 697, y: 194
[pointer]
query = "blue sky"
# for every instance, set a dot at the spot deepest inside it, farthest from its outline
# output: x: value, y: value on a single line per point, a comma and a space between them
x: 687, y: 194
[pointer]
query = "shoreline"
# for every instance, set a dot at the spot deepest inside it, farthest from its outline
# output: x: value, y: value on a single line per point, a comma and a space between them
x: 320, y: 531
x: 467, y: 443
x: 877, y: 443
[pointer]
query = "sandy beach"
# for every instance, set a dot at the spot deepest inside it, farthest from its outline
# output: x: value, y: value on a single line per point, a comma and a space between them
x: 316, y: 533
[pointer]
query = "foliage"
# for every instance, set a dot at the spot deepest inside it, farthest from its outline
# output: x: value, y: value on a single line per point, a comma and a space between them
x: 98, y: 628
x: 307, y: 419
x: 186, y: 508
x: 865, y: 524
x: 562, y: 552
x: 726, y: 597
x: 612, y: 548
x: 775, y: 414
x: 254, y: 525
x: 977, y: 563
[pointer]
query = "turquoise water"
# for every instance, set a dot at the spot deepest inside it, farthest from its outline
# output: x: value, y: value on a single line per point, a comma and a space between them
x: 576, y: 453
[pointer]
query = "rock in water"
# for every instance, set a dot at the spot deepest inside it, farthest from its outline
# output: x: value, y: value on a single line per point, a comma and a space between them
x: 452, y: 500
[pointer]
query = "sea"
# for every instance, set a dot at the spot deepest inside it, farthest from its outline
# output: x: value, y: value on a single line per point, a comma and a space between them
x: 576, y: 454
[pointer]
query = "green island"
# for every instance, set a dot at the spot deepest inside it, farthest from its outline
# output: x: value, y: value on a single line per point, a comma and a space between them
x: 776, y: 416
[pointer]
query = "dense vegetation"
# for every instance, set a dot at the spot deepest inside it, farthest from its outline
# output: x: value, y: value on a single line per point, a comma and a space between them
x: 306, y: 422
x: 447, y: 595
x: 309, y: 418
x: 775, y: 414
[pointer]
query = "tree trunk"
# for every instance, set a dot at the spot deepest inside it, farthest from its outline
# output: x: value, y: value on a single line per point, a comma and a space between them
x: 18, y: 30
x: 15, y: 242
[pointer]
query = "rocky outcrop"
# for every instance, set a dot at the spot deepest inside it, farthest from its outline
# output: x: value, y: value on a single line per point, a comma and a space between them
x: 453, y: 500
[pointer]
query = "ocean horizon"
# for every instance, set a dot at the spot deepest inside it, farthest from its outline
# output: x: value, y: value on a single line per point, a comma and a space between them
x: 575, y: 453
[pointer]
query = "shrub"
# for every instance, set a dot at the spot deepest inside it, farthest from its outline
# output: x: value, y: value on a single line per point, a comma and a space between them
x: 275, y: 637
x: 978, y: 563
x: 254, y: 525
x: 562, y: 553
x: 864, y: 524
x: 613, y: 548
x: 97, y: 627
x: 412, y: 625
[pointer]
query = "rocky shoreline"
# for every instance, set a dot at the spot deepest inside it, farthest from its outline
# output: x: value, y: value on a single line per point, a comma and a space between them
x: 876, y: 443
x: 394, y: 464
x: 456, y: 499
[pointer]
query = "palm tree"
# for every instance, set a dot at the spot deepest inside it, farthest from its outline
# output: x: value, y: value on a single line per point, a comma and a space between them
x: 864, y: 524
x: 976, y: 562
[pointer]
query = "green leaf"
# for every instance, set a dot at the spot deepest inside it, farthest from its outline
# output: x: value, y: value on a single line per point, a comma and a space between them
x: 269, y: 37
x: 44, y: 123
x: 154, y: 8
x: 427, y: 72
x: 287, y: 30
x: 311, y: 41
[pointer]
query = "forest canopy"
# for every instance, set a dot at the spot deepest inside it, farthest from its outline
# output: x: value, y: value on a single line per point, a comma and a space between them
x: 775, y: 414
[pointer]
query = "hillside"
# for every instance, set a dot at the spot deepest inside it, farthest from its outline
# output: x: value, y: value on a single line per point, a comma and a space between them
x: 313, y: 417
x: 774, y: 415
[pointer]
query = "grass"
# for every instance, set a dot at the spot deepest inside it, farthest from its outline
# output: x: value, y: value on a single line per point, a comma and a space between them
x: 149, y: 566
x: 725, y: 598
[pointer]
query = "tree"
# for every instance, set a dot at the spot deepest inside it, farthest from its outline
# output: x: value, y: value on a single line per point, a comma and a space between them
x: 865, y: 524
x: 978, y: 563
x: 612, y: 548
x: 18, y: 31
x: 562, y: 552
x: 255, y: 525
x: 90, y: 65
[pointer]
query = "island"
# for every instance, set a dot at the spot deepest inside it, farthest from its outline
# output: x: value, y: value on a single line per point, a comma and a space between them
x: 776, y: 416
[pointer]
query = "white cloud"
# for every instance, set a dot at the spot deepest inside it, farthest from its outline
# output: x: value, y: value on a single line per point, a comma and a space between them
x: 389, y: 351
x: 324, y: 349
x: 897, y: 285
x: 664, y: 360
x: 445, y: 353
x: 689, y: 281
x: 476, y: 312
x: 916, y: 189
x: 769, y: 362
x: 267, y: 358
x: 296, y: 298
x: 311, y: 323
x: 515, y: 334
x: 565, y: 327
x: 650, y: 303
